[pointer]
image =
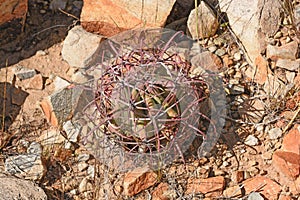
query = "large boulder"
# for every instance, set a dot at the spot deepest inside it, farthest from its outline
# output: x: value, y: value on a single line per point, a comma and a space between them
x: 15, y: 188
x: 202, y: 22
x: 110, y: 17
x: 253, y: 21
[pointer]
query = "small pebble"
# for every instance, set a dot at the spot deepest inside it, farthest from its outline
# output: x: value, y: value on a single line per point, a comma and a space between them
x: 212, y: 48
x: 220, y: 52
x: 278, y: 35
x: 225, y: 164
x: 267, y: 155
x: 237, y: 176
x: 40, y: 53
x: 275, y: 133
x: 252, y: 163
x: 255, y: 196
x: 237, y: 56
x: 219, y: 172
x: 251, y: 140
x: 43, y: 11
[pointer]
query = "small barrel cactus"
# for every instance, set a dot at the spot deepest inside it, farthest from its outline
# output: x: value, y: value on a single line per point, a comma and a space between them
x: 148, y: 104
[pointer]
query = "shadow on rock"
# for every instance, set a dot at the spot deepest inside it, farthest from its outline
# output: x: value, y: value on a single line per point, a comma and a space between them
x: 42, y: 29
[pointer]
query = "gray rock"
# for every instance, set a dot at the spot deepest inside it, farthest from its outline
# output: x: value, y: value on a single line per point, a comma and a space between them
x: 288, y: 64
x: 15, y: 188
x: 60, y: 106
x: 259, y: 20
x: 79, y: 46
x: 60, y: 83
x: 24, y: 73
x: 206, y: 21
x: 275, y: 133
x: 237, y: 89
x: 55, y: 5
x: 30, y: 165
x: 255, y: 196
x: 79, y: 77
x: 71, y: 131
x: 297, y: 15
x: 251, y: 140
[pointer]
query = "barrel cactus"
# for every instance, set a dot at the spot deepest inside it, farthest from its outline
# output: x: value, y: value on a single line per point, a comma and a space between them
x: 148, y: 104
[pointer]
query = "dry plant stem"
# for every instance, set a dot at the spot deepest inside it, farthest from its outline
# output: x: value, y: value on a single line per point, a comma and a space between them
x: 68, y: 14
x: 4, y: 98
x: 293, y: 119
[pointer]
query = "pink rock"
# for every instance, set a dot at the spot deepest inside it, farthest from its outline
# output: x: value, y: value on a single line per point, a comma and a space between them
x: 266, y: 187
x: 287, y: 163
x: 12, y: 9
x: 161, y: 192
x: 211, y: 187
x: 110, y: 17
x: 207, y: 61
x: 35, y: 82
x: 295, y: 186
x: 259, y: 72
x: 138, y: 180
x: 291, y: 141
x: 287, y: 51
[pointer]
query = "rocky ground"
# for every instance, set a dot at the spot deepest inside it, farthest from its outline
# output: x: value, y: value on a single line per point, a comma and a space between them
x: 257, y: 154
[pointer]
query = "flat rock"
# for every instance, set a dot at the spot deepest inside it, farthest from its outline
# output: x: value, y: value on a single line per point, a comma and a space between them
x: 211, y: 187
x: 23, y: 73
x: 267, y: 187
x: 287, y: 163
x: 287, y: 51
x: 255, y: 196
x: 206, y: 60
x: 260, y: 19
x: 12, y: 10
x: 36, y: 82
x: 50, y: 137
x: 138, y: 180
x: 204, y: 23
x: 15, y: 188
x: 288, y: 64
x: 79, y: 46
x: 60, y: 83
x: 233, y: 192
x: 110, y: 17
x: 163, y: 192
x: 60, y: 106
x: 29, y: 165
x: 291, y: 141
